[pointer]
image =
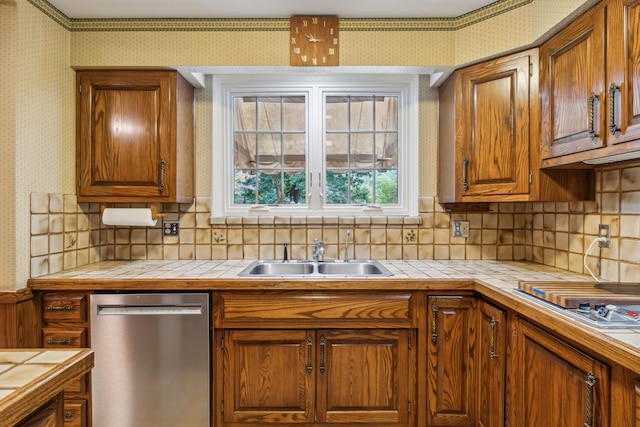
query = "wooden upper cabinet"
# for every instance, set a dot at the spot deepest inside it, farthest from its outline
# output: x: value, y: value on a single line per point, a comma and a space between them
x: 590, y: 86
x: 488, y: 137
x: 135, y: 136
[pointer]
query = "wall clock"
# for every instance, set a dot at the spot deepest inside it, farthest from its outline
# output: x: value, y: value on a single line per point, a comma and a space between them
x: 314, y: 41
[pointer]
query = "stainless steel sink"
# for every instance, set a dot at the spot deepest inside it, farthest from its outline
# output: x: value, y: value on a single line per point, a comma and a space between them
x: 353, y: 268
x: 358, y: 268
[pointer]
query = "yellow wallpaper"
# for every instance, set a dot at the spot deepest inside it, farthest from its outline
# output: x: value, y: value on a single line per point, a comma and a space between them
x: 44, y: 122
x: 8, y: 53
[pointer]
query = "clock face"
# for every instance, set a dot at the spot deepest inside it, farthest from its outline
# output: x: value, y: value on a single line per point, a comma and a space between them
x: 314, y: 40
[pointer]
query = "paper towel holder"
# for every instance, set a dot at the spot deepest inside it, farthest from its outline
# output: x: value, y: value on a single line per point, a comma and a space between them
x: 153, y: 207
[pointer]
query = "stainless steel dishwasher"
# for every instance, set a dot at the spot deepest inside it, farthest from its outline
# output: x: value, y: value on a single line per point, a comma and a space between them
x: 152, y: 364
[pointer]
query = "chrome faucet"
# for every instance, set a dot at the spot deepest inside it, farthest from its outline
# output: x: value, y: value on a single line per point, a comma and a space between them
x: 318, y: 250
x: 346, y: 247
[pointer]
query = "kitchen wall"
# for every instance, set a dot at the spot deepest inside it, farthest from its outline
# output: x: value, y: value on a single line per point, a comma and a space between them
x: 52, y: 232
x: 554, y: 234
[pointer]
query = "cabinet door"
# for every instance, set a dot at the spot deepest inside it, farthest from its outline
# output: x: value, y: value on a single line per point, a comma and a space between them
x: 557, y: 384
x: 365, y: 377
x: 572, y: 76
x: 450, y: 361
x: 494, y: 154
x: 623, y: 69
x: 124, y: 134
x: 49, y: 415
x: 268, y: 376
x: 491, y: 354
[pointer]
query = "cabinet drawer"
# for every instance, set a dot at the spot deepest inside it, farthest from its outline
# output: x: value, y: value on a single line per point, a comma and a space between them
x: 68, y: 307
x: 77, y: 387
x: 61, y: 338
x: 314, y: 306
x: 75, y: 413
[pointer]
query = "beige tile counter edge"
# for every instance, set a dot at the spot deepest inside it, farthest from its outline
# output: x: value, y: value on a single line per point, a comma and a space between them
x: 44, y: 373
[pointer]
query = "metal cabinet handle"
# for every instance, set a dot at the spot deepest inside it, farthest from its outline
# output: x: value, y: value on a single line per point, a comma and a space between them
x: 465, y: 170
x: 591, y: 130
x: 68, y: 341
x: 590, y: 381
x: 434, y: 333
x: 65, y: 307
x: 309, y: 349
x: 163, y: 165
x: 613, y: 128
x: 322, y: 343
x: 492, y: 348
x: 69, y: 415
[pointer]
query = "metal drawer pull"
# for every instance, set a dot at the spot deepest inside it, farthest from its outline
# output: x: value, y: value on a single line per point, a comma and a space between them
x: 69, y: 415
x: 590, y: 381
x: 309, y: 346
x: 492, y: 348
x: 65, y: 307
x: 591, y: 130
x: 613, y: 128
x: 434, y: 332
x: 68, y: 341
x: 322, y: 342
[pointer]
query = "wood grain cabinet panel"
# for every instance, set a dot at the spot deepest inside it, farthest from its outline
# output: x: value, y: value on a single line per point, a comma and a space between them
x: 488, y: 137
x: 590, y: 86
x: 451, y: 383
x: 49, y: 415
x: 491, y: 365
x: 135, y: 136
x: 556, y: 384
x: 65, y: 324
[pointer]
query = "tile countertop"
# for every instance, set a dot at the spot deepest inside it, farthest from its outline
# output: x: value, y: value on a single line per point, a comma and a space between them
x: 30, y: 378
x: 495, y: 280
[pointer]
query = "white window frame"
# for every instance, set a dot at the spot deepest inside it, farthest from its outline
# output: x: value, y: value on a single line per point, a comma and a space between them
x: 225, y: 87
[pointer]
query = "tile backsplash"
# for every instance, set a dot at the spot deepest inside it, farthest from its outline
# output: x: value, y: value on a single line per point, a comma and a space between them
x: 66, y: 234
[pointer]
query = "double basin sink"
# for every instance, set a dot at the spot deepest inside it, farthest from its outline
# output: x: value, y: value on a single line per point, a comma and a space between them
x: 356, y: 268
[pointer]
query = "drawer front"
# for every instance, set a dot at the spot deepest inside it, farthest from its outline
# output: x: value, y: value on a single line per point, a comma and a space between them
x: 77, y: 387
x: 64, y: 307
x: 75, y: 413
x: 314, y: 306
x: 64, y: 338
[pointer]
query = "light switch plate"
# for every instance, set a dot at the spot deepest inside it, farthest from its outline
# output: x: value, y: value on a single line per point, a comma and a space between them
x: 459, y: 228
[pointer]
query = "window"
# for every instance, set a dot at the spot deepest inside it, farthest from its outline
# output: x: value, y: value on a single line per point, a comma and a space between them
x: 321, y: 144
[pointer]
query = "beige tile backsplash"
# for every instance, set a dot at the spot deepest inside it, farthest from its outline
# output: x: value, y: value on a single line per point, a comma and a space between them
x: 66, y: 234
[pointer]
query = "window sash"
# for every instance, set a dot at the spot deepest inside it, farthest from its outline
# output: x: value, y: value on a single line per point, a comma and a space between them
x: 318, y: 88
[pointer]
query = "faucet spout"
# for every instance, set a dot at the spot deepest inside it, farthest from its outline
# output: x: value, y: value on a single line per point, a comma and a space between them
x: 318, y: 250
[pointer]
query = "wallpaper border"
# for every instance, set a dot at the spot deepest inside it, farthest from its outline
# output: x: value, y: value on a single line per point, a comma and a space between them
x: 275, y: 24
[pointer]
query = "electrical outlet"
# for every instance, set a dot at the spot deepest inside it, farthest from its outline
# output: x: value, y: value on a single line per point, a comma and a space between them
x: 603, y: 231
x: 171, y: 228
x: 459, y: 228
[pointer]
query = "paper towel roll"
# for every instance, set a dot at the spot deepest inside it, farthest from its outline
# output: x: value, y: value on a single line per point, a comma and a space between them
x: 141, y: 217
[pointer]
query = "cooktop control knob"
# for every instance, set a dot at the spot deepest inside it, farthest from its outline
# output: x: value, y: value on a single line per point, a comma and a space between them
x: 585, y: 307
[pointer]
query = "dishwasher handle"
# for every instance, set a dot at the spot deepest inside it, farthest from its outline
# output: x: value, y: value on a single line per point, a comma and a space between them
x: 146, y: 310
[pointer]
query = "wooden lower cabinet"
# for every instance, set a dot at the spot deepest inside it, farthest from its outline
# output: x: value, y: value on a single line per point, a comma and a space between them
x: 48, y: 415
x: 65, y: 324
x: 491, y: 365
x: 451, y: 325
x: 555, y: 384
x: 313, y: 377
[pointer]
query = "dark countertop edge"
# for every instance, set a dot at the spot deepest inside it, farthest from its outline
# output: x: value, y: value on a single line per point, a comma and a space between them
x: 18, y: 406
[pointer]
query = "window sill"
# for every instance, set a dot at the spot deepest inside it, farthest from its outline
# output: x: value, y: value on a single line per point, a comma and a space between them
x: 317, y: 221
